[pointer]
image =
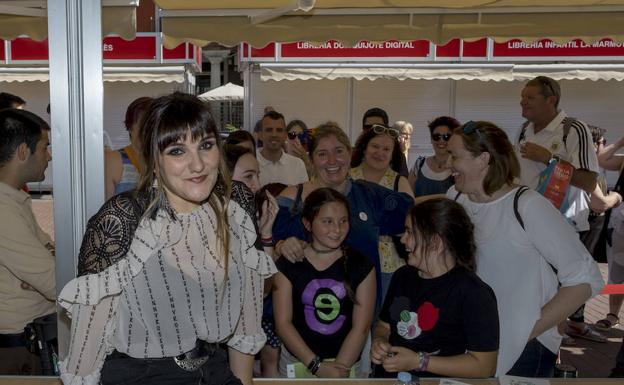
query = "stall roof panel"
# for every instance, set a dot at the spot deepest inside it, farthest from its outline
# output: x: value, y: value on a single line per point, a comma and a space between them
x: 230, y: 22
x: 18, y: 18
x: 135, y: 74
x: 440, y: 71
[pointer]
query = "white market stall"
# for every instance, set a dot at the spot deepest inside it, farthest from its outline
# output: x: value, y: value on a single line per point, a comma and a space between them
x: 418, y: 80
x: 449, y: 89
x: 226, y: 102
x: 74, y: 28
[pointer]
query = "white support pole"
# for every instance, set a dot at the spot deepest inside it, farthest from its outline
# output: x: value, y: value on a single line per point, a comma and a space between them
x: 76, y: 95
x: 248, y: 124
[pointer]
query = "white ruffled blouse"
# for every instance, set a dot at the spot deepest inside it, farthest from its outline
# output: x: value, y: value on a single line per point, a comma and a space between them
x: 167, y: 292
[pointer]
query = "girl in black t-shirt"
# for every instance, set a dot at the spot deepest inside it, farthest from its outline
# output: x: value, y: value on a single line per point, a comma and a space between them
x: 324, y: 304
x: 438, y: 318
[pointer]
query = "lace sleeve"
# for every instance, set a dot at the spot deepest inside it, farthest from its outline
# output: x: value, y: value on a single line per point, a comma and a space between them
x: 109, y: 233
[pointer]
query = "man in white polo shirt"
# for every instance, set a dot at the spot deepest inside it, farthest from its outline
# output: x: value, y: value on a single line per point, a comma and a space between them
x: 543, y: 138
x: 275, y: 164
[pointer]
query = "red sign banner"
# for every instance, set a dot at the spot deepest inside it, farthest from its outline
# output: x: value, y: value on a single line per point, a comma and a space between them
x: 27, y: 49
x: 455, y: 49
x: 140, y: 48
x: 267, y: 51
x: 178, y: 52
x: 332, y: 49
x: 548, y: 48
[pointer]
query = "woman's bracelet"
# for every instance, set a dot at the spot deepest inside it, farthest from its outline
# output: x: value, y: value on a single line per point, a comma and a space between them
x: 314, y: 365
x: 267, y: 242
x: 423, y: 359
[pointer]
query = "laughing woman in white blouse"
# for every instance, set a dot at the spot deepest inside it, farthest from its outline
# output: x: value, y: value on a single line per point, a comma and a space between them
x: 526, y: 251
x: 169, y: 272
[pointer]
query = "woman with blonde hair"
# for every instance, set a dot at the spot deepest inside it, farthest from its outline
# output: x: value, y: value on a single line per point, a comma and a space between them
x: 375, y: 210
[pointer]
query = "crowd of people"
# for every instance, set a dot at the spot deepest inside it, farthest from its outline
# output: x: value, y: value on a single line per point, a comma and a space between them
x: 318, y: 258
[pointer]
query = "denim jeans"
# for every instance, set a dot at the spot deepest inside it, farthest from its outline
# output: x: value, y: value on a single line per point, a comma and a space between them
x: 164, y: 371
x: 535, y: 361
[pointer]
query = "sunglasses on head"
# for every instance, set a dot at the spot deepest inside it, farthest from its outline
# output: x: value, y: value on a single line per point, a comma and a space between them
x: 471, y: 128
x: 437, y: 137
x: 546, y: 81
x: 379, y: 129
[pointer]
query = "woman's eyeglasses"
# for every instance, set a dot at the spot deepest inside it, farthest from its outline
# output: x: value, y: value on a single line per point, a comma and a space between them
x: 292, y: 135
x: 379, y: 129
x: 437, y: 137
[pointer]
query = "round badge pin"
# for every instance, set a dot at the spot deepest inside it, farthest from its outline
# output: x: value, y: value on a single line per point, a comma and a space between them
x: 363, y: 216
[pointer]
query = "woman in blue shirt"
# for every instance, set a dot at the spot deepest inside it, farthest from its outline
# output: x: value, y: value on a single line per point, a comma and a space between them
x: 375, y: 210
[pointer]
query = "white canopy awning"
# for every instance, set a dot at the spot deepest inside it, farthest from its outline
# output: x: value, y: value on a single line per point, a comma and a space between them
x: 167, y: 74
x: 403, y: 71
x: 228, y: 92
x: 230, y: 22
x: 29, y: 18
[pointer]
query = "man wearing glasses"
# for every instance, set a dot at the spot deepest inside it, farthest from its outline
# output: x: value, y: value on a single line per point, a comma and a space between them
x: 549, y: 134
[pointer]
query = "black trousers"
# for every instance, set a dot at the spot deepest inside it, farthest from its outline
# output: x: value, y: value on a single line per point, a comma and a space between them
x: 121, y: 369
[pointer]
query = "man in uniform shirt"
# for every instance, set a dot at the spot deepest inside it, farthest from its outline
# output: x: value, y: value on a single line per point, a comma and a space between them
x: 27, y: 268
x: 544, y: 138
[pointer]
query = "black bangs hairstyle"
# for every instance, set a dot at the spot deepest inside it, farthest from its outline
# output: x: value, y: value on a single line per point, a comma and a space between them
x: 170, y: 119
x: 448, y: 220
x: 179, y: 116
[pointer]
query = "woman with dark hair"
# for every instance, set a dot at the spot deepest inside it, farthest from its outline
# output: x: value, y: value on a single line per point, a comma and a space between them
x: 242, y: 165
x: 384, y: 139
x: 430, y: 175
x: 526, y: 250
x: 331, y: 276
x: 242, y: 138
x: 298, y: 142
x: 122, y: 168
x: 376, y: 158
x: 169, y: 272
x: 439, y: 318
x: 244, y: 168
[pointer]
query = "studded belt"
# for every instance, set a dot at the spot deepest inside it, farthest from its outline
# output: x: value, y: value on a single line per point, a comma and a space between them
x: 189, y: 361
x: 196, y: 357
